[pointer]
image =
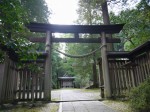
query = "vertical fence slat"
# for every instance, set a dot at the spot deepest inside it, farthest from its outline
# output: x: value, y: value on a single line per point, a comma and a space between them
x: 28, y: 84
x: 36, y: 86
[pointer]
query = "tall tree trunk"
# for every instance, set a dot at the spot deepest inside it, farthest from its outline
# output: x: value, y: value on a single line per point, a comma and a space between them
x: 106, y: 21
x: 95, y: 79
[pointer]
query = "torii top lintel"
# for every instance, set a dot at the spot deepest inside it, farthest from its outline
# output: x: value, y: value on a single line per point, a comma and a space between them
x: 91, y: 29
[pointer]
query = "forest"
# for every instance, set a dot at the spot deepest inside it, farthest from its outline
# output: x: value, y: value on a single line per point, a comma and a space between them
x: 16, y: 14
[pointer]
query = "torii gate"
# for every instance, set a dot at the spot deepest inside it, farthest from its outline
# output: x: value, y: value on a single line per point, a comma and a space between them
x: 75, y: 29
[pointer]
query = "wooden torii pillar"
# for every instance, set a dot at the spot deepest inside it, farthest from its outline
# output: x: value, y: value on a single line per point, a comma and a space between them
x: 48, y: 68
x: 106, y: 75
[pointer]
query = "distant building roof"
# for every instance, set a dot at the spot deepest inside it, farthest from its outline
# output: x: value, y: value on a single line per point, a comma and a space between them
x: 66, y: 78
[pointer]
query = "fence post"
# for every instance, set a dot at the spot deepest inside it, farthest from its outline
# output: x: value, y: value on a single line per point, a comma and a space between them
x: 107, y: 87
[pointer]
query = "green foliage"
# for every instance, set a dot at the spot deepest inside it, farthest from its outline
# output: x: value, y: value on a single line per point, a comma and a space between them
x: 14, y: 15
x: 137, y: 25
x: 33, y: 67
x: 12, y: 27
x: 82, y: 80
x: 37, y: 10
x: 13, y: 33
x: 140, y: 96
x: 88, y: 12
x: 57, y: 66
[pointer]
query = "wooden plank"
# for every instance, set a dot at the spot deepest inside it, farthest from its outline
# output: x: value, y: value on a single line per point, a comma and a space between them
x: 24, y: 84
x: 15, y: 81
x: 127, y: 78
x: 114, y: 78
x: 28, y: 83
x: 111, y: 72
x: 9, y: 82
x: 2, y: 66
x: 36, y: 86
x: 130, y: 77
x: 20, y: 84
x: 143, y: 67
x: 117, y: 79
x: 41, y: 86
x: 75, y: 40
x: 147, y: 64
x: 4, y: 78
x: 123, y: 76
x: 138, y: 74
x: 135, y: 76
x: 120, y: 77
x: 12, y: 80
x: 140, y: 71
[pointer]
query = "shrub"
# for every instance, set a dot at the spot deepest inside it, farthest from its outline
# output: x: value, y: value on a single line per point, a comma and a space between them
x: 140, y: 96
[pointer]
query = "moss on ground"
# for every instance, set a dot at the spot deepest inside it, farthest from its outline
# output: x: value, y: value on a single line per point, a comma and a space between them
x: 121, y: 106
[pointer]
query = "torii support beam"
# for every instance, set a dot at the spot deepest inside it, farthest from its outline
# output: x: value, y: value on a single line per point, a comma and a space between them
x: 75, y: 40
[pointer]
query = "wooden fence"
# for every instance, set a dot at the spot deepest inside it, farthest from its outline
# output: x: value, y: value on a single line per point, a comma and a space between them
x: 19, y: 84
x: 29, y: 82
x: 8, y: 83
x: 127, y: 72
x: 142, y: 68
x: 121, y: 77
